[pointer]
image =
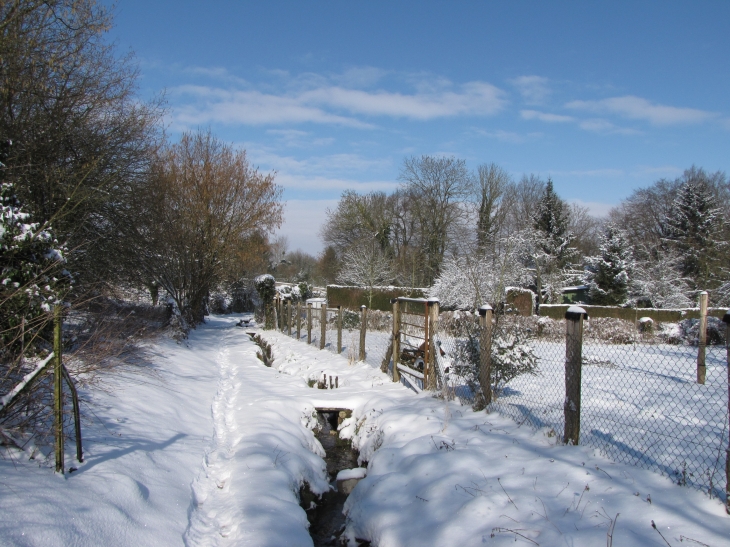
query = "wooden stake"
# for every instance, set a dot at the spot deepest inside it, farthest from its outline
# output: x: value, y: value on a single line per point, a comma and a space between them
x: 288, y: 316
x: 429, y: 381
x: 309, y: 322
x: 396, y: 339
x: 485, y: 352
x: 363, y: 330
x: 299, y: 321
x: 573, y: 363
x: 322, y: 325
x: 701, y: 349
x: 58, y: 389
x: 339, y: 330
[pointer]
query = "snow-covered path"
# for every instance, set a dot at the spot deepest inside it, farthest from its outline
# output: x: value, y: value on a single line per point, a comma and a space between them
x: 210, y: 447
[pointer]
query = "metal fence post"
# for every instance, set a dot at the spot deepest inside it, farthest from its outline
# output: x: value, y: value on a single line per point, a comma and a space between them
x: 573, y: 361
x: 726, y: 319
x: 58, y: 388
x: 485, y: 352
x: 429, y: 381
x: 396, y: 339
x: 702, y: 345
x: 339, y: 330
x: 309, y: 322
x: 363, y: 330
x: 322, y: 325
x: 299, y: 321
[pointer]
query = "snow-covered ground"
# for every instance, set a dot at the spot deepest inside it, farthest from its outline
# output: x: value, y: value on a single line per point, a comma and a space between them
x: 207, y: 446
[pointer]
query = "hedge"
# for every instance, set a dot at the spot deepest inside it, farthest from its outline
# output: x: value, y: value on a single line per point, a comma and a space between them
x: 354, y: 297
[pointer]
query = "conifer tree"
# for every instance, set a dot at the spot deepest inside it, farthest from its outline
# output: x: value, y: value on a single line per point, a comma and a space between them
x: 610, y: 273
x: 693, y: 228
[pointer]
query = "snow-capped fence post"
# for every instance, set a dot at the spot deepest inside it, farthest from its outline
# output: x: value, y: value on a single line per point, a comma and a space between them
x: 573, y: 362
x: 396, y: 339
x: 363, y: 330
x: 58, y: 388
x: 309, y: 322
x: 485, y: 352
x: 299, y: 321
x: 322, y: 325
x: 702, y: 343
x: 288, y: 316
x: 339, y: 330
x: 429, y: 369
x: 726, y: 319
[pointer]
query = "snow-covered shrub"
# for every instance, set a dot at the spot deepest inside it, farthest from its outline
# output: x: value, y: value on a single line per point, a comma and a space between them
x: 609, y: 330
x: 350, y: 319
x: 689, y: 331
x: 219, y: 303
x: 511, y: 355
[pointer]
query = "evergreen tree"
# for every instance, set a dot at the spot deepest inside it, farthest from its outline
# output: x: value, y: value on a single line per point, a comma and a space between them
x: 694, y: 225
x: 552, y: 221
x: 610, y: 272
x: 552, y: 244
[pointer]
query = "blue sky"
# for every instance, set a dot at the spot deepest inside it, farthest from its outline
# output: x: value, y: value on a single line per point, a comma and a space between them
x: 604, y: 97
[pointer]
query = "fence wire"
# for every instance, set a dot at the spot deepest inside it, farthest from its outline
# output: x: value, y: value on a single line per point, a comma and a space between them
x: 377, y: 336
x: 640, y: 400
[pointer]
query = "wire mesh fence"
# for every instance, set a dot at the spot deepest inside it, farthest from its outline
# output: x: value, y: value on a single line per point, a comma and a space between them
x: 640, y: 401
x: 306, y: 324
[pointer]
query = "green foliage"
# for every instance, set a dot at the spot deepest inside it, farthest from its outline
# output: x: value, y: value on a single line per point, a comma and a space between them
x: 266, y: 287
x: 611, y: 272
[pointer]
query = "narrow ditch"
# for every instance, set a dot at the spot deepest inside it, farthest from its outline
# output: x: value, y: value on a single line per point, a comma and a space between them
x: 326, y: 521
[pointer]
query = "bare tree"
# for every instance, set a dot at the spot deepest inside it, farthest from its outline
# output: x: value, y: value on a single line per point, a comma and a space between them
x: 366, y: 266
x: 438, y: 187
x: 80, y: 138
x: 493, y: 183
x: 199, y: 210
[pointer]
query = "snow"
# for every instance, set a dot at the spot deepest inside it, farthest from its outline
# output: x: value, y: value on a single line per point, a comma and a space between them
x: 356, y: 473
x: 202, y: 445
x: 6, y: 399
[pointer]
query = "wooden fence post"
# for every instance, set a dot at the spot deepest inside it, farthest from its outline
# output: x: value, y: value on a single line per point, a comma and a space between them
x: 396, y: 339
x: 339, y: 330
x: 573, y: 362
x: 322, y: 325
x: 485, y: 352
x: 363, y: 330
x: 430, y: 379
x: 702, y: 345
x: 299, y: 321
x: 58, y: 388
x: 309, y: 322
x: 288, y: 316
x: 726, y: 319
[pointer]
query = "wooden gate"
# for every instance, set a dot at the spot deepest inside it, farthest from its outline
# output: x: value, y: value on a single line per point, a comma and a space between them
x: 414, y: 324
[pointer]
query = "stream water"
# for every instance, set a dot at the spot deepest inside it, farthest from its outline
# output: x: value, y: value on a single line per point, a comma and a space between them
x: 326, y: 521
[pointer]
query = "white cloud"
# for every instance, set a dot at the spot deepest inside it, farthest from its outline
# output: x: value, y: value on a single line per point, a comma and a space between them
x: 595, y: 208
x: 313, y: 98
x: 534, y: 89
x: 328, y: 184
x: 303, y: 220
x: 545, y: 116
x: 637, y: 108
x: 599, y: 125
x: 215, y: 105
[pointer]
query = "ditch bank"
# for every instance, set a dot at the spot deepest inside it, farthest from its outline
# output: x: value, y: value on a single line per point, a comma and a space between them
x: 326, y: 520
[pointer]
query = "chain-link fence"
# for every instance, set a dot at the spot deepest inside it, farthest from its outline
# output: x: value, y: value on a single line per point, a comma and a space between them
x: 343, y: 334
x: 640, y: 401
